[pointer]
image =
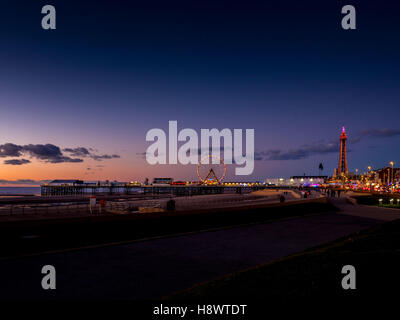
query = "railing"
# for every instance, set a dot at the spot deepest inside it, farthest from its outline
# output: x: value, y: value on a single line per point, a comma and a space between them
x: 181, y: 203
x: 51, y: 210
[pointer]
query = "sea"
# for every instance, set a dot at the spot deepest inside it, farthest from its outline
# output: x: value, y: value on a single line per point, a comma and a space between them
x: 19, y: 191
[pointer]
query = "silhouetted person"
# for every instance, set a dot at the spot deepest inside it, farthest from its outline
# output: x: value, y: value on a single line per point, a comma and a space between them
x: 171, y: 205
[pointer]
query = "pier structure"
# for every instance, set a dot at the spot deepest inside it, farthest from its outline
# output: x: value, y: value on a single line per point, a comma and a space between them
x: 87, y: 189
x: 126, y: 189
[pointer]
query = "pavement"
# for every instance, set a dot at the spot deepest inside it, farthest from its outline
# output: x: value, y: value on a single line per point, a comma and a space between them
x: 155, y: 268
x: 364, y: 211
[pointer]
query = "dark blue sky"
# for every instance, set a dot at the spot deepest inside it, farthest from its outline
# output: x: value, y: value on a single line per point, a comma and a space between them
x: 112, y: 70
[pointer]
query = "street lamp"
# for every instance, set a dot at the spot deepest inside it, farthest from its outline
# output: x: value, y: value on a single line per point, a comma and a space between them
x: 391, y: 178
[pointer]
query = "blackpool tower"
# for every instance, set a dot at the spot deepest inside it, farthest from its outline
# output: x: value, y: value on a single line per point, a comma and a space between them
x: 342, y: 169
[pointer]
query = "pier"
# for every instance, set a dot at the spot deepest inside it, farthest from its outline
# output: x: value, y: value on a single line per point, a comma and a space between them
x: 127, y: 189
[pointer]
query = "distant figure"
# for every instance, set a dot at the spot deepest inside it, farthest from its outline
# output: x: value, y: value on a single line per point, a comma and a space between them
x: 171, y: 205
x: 281, y: 199
x: 338, y: 193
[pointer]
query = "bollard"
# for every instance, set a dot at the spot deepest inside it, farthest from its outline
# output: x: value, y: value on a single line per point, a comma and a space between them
x: 92, y: 204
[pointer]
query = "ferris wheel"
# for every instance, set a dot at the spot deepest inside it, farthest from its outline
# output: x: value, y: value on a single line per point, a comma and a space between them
x: 209, y: 172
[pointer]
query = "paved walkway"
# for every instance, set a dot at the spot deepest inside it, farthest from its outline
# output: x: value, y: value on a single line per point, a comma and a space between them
x: 364, y: 211
x: 150, y: 269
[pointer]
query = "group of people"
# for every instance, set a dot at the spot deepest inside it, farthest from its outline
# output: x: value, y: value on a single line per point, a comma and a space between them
x: 333, y: 193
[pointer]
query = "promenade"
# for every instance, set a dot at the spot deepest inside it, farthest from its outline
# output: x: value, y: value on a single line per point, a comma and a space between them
x: 157, y: 267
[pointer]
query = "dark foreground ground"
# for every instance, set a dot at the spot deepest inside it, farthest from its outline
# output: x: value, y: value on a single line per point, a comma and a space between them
x: 152, y: 269
x: 26, y: 236
x: 375, y: 254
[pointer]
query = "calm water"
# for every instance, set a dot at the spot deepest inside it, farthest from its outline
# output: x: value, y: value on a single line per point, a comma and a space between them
x: 4, y: 191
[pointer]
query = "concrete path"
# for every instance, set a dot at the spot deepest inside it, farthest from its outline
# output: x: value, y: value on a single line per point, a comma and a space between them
x: 364, y: 211
x: 151, y: 269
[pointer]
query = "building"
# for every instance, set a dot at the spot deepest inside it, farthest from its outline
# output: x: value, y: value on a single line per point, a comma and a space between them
x: 388, y: 175
x: 162, y: 181
x: 312, y: 181
x: 65, y: 182
x: 342, y: 168
x: 297, y: 181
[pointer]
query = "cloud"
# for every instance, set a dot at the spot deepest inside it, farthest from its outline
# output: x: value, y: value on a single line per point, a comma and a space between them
x: 302, y: 152
x: 320, y: 147
x: 49, y: 153
x: 104, y: 156
x: 46, y: 152
x: 16, y: 162
x: 374, y: 133
x: 380, y: 133
x: 88, y: 152
x: 77, y: 152
x: 10, y: 150
x: 142, y: 155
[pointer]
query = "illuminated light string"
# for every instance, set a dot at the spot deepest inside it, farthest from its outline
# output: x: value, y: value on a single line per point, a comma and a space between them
x: 210, y: 157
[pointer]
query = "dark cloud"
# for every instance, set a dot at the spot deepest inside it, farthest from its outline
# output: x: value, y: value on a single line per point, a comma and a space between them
x: 380, y: 133
x: 77, y: 152
x: 320, y: 147
x: 104, y: 156
x: 88, y: 152
x: 10, y: 150
x: 16, y: 162
x: 374, y: 133
x: 302, y: 152
x: 48, y: 153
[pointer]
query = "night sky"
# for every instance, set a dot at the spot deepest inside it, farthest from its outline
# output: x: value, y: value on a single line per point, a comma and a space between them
x: 112, y: 70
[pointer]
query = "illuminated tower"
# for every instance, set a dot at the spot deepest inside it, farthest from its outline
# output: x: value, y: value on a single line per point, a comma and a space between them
x: 342, y: 169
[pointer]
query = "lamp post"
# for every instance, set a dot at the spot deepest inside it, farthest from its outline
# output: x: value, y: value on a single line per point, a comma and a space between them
x: 391, y: 178
x: 357, y: 178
